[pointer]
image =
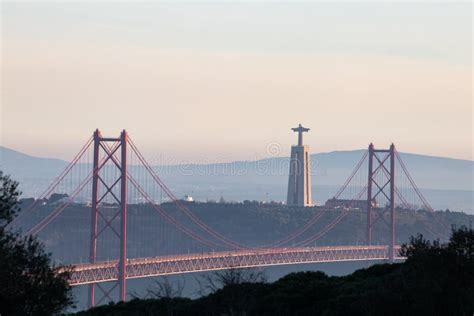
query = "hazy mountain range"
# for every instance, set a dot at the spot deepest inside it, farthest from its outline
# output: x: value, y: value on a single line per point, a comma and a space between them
x: 446, y: 182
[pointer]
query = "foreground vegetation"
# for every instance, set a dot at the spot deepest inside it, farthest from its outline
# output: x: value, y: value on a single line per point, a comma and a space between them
x: 29, y: 283
x: 434, y: 280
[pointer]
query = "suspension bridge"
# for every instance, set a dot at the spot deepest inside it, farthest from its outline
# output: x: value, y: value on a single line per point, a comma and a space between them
x: 110, y: 224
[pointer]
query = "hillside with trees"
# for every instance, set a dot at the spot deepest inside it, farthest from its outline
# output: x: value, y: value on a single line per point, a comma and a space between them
x: 249, y: 223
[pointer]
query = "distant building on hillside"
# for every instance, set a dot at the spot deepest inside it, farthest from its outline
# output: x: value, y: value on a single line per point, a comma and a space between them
x: 188, y: 198
x: 342, y: 203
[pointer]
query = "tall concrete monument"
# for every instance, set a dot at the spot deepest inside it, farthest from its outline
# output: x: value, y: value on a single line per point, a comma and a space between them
x: 299, y: 182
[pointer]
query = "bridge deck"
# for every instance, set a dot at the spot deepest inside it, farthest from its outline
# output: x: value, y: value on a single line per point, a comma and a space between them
x: 261, y: 257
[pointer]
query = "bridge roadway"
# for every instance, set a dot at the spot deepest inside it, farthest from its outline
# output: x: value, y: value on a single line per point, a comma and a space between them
x: 259, y: 257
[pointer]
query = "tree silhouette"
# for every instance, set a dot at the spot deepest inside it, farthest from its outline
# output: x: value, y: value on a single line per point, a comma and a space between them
x: 29, y: 283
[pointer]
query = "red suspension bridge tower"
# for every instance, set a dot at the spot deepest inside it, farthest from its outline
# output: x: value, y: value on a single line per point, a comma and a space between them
x: 376, y: 186
x: 105, y: 150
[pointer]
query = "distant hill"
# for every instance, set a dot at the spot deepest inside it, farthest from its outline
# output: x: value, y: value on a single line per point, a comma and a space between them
x: 33, y: 173
x: 21, y: 165
x: 333, y: 169
x: 447, y: 183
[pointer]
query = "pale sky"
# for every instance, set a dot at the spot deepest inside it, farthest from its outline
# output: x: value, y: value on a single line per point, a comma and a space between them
x: 220, y: 82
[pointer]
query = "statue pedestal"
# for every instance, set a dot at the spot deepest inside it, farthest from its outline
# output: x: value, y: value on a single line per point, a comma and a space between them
x: 299, y: 182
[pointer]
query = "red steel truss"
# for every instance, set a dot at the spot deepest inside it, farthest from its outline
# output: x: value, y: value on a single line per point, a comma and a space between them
x: 154, y: 266
x: 381, y: 189
x: 101, y: 144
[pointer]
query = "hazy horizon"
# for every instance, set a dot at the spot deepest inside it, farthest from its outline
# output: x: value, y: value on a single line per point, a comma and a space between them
x: 184, y: 78
x: 172, y: 161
